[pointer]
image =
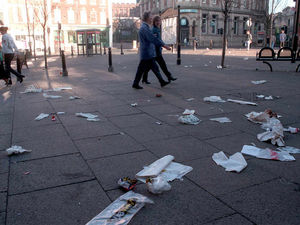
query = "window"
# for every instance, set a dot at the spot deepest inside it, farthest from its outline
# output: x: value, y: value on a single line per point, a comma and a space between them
x: 245, y: 25
x: 214, y: 2
x: 57, y: 15
x: 93, y: 17
x: 71, y: 37
x: 244, y: 4
x: 213, y: 24
x: 236, y: 26
x: 204, y: 24
x: 194, y: 28
x: 93, y: 2
x: 82, y: 2
x: 70, y: 1
x: 102, y: 17
x: 71, y: 16
x: 203, y: 1
x: 83, y: 16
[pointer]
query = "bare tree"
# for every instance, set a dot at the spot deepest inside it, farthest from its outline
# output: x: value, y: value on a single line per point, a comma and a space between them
x: 28, y: 27
x: 226, y: 6
x: 42, y: 15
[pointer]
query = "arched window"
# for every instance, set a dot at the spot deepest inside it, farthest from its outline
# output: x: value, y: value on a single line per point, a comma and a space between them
x: 194, y: 28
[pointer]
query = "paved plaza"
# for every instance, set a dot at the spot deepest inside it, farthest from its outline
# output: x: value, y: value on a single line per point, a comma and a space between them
x: 72, y: 172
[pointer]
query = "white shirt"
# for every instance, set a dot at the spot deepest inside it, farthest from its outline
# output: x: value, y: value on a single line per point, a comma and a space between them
x: 8, y: 44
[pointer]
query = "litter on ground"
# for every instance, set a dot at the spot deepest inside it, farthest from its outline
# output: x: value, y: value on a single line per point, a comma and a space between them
x: 267, y: 153
x: 32, y: 89
x: 292, y: 130
x: 121, y: 211
x: 188, y: 112
x: 157, y: 185
x: 88, y: 116
x: 15, y: 149
x: 289, y: 149
x: 58, y: 89
x: 219, y: 67
x: 190, y: 99
x: 221, y: 120
x: 189, y: 118
x: 213, y: 99
x: 134, y: 104
x: 41, y: 116
x: 258, y: 81
x: 74, y: 97
x: 127, y: 183
x: 235, y: 162
x: 241, y: 102
x: 51, y: 96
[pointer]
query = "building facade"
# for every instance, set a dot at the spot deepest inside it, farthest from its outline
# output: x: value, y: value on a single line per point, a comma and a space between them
x: 203, y: 20
x: 64, y: 17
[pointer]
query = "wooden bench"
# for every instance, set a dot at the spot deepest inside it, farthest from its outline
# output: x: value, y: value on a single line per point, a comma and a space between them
x: 268, y: 54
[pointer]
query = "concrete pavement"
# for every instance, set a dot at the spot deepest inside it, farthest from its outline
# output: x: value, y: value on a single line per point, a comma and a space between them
x: 71, y: 174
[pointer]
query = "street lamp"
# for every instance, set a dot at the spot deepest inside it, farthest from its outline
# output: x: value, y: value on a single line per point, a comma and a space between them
x: 178, y: 36
x: 59, y: 42
x: 296, y: 26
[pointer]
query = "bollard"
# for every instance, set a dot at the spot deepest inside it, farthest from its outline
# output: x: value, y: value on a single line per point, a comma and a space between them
x: 104, y: 50
x: 211, y: 44
x: 72, y: 51
x: 194, y: 44
x: 63, y: 61
x: 49, y: 51
x: 122, y: 53
x: 110, y: 67
x: 172, y: 48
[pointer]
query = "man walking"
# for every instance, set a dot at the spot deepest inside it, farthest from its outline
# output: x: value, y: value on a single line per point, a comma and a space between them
x: 248, y: 40
x: 147, y: 52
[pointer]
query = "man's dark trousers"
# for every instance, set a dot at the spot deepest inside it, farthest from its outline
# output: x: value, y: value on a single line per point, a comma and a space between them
x: 146, y: 65
x: 7, y: 62
x: 160, y: 60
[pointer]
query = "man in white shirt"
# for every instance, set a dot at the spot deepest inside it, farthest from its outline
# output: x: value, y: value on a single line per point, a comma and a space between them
x: 9, y: 49
x: 282, y: 38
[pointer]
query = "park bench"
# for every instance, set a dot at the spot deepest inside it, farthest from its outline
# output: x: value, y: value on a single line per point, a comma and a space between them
x: 268, y: 54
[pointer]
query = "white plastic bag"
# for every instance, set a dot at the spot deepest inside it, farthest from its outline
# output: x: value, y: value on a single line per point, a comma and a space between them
x: 235, y: 162
x: 88, y: 116
x: 158, y: 185
x: 213, y: 99
x: 258, y: 82
x: 121, y: 211
x: 51, y: 96
x: 289, y: 149
x: 189, y: 119
x: 221, y: 120
x: 74, y: 97
x: 15, y: 149
x: 41, y: 116
x: 241, y: 102
x: 32, y: 89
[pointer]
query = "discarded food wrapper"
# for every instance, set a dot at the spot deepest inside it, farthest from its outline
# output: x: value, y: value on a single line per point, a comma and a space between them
x: 89, y: 116
x: 15, y: 149
x: 53, y: 118
x: 165, y: 168
x: 134, y: 104
x: 213, y: 99
x: 221, y: 120
x: 32, y: 89
x: 158, y: 123
x: 121, y: 210
x: 235, y: 162
x: 157, y: 185
x: 241, y: 102
x: 189, y: 119
x: 127, y: 183
x: 190, y: 99
x: 51, y: 96
x: 269, y: 98
x: 41, y: 116
x: 188, y: 112
x: 261, y: 117
x: 74, y: 97
x: 267, y: 153
x: 292, y: 130
x: 274, y: 132
x: 289, y: 149
x: 258, y: 81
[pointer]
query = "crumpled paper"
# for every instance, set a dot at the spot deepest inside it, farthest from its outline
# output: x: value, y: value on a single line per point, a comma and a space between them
x: 289, y: 149
x: 32, y: 89
x: 221, y: 120
x: 51, y: 96
x: 157, y: 185
x: 15, y: 149
x: 258, y: 82
x: 134, y: 104
x: 189, y: 118
x: 74, y: 97
x: 241, y: 102
x: 41, y: 116
x: 235, y: 162
x: 121, y: 211
x: 274, y: 132
x: 213, y: 99
x: 88, y: 116
x: 267, y: 153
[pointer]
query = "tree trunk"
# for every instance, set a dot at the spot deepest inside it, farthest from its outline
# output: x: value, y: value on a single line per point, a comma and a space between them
x: 34, y: 52
x: 45, y: 47
x: 271, y: 24
x: 224, y: 39
x: 28, y: 28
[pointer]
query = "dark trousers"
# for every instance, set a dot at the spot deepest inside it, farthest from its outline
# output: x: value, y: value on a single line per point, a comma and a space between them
x: 161, y: 62
x: 7, y: 62
x: 147, y: 65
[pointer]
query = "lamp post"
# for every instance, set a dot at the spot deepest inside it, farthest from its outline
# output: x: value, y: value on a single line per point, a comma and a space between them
x: 59, y: 41
x: 178, y: 36
x: 296, y: 26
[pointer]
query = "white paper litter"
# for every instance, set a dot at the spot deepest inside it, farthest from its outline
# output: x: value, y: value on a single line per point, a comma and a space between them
x: 58, y: 89
x: 158, y: 185
x: 267, y: 153
x: 188, y: 112
x: 269, y: 98
x: 289, y: 149
x: 74, y: 97
x: 274, y: 132
x: 89, y: 116
x: 158, y: 123
x: 235, y: 162
x: 190, y: 99
x: 189, y: 119
x: 51, y: 96
x: 241, y: 102
x: 134, y: 104
x: 258, y: 82
x: 15, y: 149
x: 165, y: 168
x: 120, y: 212
x: 205, y: 65
x: 246, y: 58
x: 32, y: 89
x: 41, y: 116
x: 260, y: 96
x: 221, y: 120
x: 256, y: 117
x: 292, y: 130
x: 219, y: 67
x: 60, y: 113
x: 213, y: 99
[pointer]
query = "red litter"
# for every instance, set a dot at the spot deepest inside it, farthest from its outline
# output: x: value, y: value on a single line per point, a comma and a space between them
x: 158, y: 95
x: 126, y: 183
x: 53, y: 118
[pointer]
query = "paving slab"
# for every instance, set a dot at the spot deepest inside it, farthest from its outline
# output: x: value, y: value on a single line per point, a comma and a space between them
x: 70, y: 119
x: 266, y: 203
x: 133, y: 120
x: 158, y: 110
x: 74, y: 204
x: 185, y: 203
x: 3, y: 196
x: 5, y: 141
x: 109, y: 170
x: 120, y: 110
x: 229, y: 220
x: 107, y: 146
x: 92, y: 129
x: 183, y: 148
x: 54, y: 146
x: 4, y: 162
x: 2, y: 218
x: 49, y: 172
x: 4, y: 182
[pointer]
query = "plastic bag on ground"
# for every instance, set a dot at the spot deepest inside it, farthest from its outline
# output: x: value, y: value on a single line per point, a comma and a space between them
x: 188, y: 112
x: 259, y: 82
x: 241, y: 102
x: 165, y: 168
x: 158, y: 185
x: 289, y: 149
x: 32, y: 89
x: 221, y: 120
x: 189, y: 119
x: 235, y: 162
x: 256, y: 117
x: 213, y: 99
x: 51, y: 96
x: 267, y: 153
x: 121, y: 211
x: 58, y: 89
x: 88, y: 116
x: 41, y: 116
x: 274, y: 132
x: 15, y: 149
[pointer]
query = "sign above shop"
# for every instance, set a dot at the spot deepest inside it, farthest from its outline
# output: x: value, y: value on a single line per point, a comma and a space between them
x: 189, y: 10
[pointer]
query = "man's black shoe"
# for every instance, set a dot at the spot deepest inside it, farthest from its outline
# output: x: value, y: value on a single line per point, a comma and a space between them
x: 172, y: 78
x: 137, y: 87
x: 164, y: 83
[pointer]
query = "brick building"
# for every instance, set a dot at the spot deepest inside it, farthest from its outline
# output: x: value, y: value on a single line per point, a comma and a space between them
x: 203, y: 20
x: 71, y: 14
